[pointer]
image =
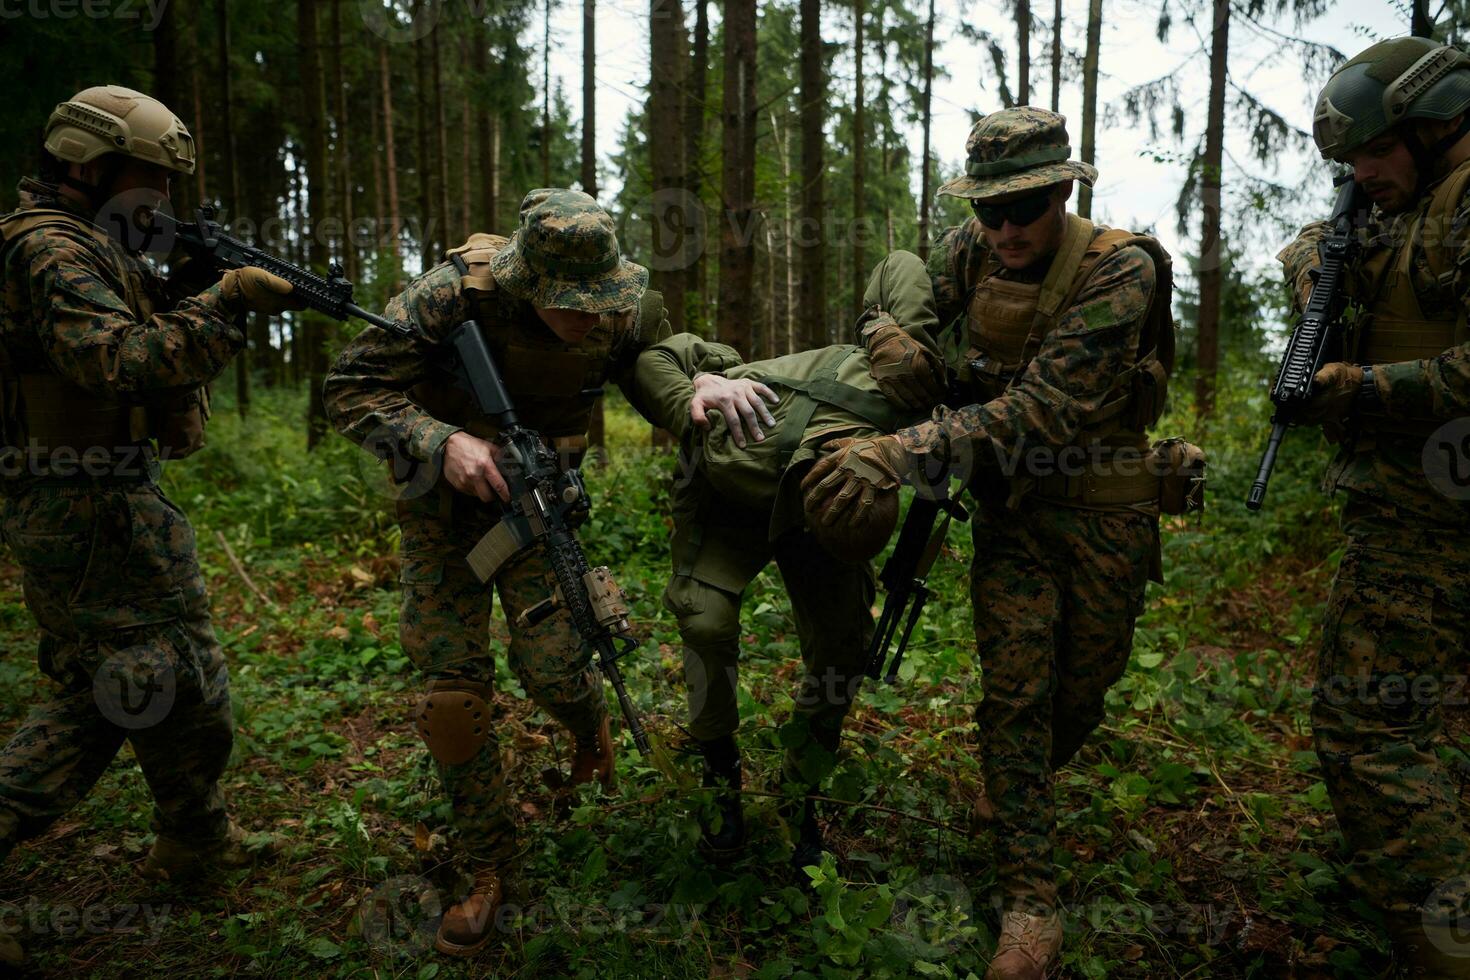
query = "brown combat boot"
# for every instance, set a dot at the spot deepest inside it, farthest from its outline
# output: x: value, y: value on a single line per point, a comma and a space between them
x: 1028, y: 945
x: 470, y: 924
x: 173, y: 860
x: 594, y: 759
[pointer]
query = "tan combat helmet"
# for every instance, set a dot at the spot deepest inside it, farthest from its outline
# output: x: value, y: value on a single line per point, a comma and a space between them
x: 113, y: 119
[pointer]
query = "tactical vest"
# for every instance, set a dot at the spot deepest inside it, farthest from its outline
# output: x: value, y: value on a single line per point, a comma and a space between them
x: 552, y: 386
x: 1008, y: 320
x: 1394, y: 326
x: 44, y: 413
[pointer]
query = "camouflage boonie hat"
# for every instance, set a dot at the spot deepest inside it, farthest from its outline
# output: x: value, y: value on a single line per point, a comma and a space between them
x: 1014, y: 150
x: 565, y: 256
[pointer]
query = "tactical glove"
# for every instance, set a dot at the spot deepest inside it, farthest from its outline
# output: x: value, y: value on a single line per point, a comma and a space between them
x: 258, y: 290
x: 1337, y: 387
x: 845, y: 484
x: 907, y: 372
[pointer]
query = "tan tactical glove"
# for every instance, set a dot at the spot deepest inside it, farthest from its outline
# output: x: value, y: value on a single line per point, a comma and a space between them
x: 907, y: 373
x: 1337, y: 386
x: 259, y: 291
x: 845, y: 483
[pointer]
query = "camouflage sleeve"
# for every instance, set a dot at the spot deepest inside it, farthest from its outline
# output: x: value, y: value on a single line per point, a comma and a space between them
x: 87, y: 331
x: 649, y: 325
x: 366, y: 391
x: 1300, y: 259
x: 665, y: 375
x: 1095, y: 340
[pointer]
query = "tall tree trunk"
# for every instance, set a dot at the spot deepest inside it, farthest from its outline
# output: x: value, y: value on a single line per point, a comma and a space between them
x: 546, y: 99
x: 783, y: 144
x: 344, y: 155
x: 885, y: 116
x: 390, y: 168
x: 466, y: 168
x: 1023, y: 48
x: 737, y: 241
x: 1212, y: 252
x: 201, y: 142
x: 485, y: 221
x: 666, y: 152
x: 1056, y: 57
x: 696, y: 92
x: 859, y: 159
x: 424, y: 163
x: 314, y: 102
x: 1089, y: 100
x: 166, y: 88
x: 441, y: 152
x: 813, y: 240
x: 1419, y: 23
x: 589, y: 98
x: 925, y: 192
x: 231, y: 173
x: 375, y: 158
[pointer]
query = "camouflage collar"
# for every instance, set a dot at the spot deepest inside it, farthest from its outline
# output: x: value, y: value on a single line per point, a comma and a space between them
x: 35, y: 193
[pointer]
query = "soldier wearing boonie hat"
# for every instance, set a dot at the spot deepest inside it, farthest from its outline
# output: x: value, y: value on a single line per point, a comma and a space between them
x: 563, y: 313
x: 1053, y: 333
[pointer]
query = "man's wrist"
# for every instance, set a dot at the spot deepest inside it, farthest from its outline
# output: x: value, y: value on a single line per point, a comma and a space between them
x: 1367, y: 399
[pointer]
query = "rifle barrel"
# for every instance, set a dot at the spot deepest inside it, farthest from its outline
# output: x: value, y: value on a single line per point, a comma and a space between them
x: 1268, y: 463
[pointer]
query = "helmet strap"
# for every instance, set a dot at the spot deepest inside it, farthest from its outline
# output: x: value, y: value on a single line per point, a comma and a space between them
x: 96, y: 194
x: 1442, y: 146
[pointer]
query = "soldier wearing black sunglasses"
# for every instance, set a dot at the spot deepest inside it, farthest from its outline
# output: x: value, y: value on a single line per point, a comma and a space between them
x: 1057, y: 337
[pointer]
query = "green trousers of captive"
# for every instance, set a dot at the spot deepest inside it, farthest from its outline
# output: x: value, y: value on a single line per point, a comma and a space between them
x: 1055, y: 592
x: 111, y: 576
x: 444, y: 630
x: 1393, y: 653
x: 719, y: 548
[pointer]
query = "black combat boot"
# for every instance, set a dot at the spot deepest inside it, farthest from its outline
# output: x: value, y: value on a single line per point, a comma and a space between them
x: 722, y: 771
x: 807, y: 840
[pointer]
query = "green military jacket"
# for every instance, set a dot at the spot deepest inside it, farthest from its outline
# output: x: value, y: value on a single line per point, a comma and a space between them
x: 825, y: 394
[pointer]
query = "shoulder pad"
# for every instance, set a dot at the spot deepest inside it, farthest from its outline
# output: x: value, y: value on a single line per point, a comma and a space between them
x: 476, y: 254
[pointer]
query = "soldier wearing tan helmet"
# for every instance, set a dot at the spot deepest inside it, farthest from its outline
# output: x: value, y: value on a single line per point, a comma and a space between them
x: 95, y: 351
x: 737, y: 506
x: 1397, y: 403
x: 1058, y: 335
x: 562, y: 313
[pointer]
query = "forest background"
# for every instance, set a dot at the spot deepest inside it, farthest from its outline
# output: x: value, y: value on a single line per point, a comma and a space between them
x: 759, y: 158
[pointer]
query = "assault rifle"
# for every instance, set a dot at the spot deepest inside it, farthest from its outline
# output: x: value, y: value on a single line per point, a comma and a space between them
x: 204, y: 240
x: 904, y: 574
x: 1317, y: 329
x: 547, y: 505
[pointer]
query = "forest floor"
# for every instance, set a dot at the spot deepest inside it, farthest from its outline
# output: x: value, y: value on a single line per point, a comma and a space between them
x: 1196, y: 838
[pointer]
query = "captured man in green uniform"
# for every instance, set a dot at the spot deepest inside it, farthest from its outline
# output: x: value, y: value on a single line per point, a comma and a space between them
x: 562, y: 313
x: 101, y: 365
x: 1060, y: 333
x: 737, y: 505
x: 1398, y: 406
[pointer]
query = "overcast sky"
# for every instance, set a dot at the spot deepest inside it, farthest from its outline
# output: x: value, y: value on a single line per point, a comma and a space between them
x: 1134, y: 190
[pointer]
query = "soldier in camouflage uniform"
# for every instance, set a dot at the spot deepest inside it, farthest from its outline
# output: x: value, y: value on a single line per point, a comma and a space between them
x: 1398, y: 617
x: 737, y: 506
x: 100, y: 365
x: 1061, y: 337
x: 562, y: 312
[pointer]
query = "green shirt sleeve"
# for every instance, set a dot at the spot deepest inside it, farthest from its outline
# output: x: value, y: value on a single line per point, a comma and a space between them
x: 665, y: 376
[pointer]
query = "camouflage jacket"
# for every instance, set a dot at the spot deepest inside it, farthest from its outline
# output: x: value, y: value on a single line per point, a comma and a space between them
x: 1095, y: 340
x: 378, y: 391
x: 1437, y: 388
x: 63, y: 310
x: 756, y: 475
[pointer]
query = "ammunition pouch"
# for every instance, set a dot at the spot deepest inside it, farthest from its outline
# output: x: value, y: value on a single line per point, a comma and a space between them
x: 1180, y: 466
x: 177, y: 423
x: 453, y: 719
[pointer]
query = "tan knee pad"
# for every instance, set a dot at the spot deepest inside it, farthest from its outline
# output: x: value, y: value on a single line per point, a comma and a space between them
x: 453, y: 719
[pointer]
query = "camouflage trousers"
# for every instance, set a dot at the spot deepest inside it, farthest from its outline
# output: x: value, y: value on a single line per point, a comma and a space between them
x: 1393, y: 652
x: 112, y: 579
x: 444, y: 630
x: 1055, y: 591
x: 831, y: 602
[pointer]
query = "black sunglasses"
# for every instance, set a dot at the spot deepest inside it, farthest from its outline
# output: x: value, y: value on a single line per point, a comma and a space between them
x: 1020, y: 212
